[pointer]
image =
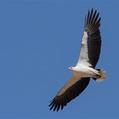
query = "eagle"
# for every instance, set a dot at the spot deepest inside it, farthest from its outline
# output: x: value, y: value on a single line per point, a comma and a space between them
x: 85, y: 68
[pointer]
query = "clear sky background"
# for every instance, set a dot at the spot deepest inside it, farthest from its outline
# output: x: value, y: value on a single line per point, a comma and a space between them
x: 39, y: 40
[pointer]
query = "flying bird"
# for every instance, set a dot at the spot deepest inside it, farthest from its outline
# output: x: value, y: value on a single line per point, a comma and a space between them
x: 85, y: 68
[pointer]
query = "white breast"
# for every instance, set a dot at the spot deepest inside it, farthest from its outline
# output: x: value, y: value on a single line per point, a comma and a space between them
x: 84, y: 71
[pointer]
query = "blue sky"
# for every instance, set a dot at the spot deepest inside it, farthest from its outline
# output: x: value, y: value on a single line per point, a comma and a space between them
x: 39, y: 40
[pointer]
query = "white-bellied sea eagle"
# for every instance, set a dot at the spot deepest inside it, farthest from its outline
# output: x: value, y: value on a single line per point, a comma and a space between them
x: 85, y: 68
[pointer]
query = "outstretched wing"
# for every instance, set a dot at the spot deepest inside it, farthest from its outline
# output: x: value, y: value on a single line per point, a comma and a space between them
x: 91, y: 41
x: 71, y: 89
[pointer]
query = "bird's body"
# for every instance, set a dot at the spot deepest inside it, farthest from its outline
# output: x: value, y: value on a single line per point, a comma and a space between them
x: 85, y: 67
x: 83, y: 71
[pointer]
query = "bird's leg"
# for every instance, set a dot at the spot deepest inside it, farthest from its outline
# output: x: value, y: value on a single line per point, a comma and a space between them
x: 96, y: 77
x: 101, y: 75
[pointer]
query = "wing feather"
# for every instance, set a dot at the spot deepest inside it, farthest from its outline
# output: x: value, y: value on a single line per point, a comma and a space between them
x: 91, y: 41
x: 71, y: 89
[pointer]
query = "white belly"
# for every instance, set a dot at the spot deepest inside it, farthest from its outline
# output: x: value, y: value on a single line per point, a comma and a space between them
x: 84, y: 71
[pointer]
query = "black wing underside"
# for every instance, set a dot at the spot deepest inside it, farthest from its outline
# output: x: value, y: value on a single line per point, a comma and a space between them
x: 92, y: 24
x: 68, y: 93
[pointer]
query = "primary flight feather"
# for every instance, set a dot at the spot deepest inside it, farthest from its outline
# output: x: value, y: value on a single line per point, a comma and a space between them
x: 85, y: 68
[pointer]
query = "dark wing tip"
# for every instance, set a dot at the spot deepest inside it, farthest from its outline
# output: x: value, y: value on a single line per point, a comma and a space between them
x: 92, y: 21
x: 57, y: 103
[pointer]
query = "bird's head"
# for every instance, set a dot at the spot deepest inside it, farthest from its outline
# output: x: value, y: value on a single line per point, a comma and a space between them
x: 70, y: 68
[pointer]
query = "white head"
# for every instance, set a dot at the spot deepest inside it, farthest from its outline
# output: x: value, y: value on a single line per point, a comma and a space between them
x: 71, y: 68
